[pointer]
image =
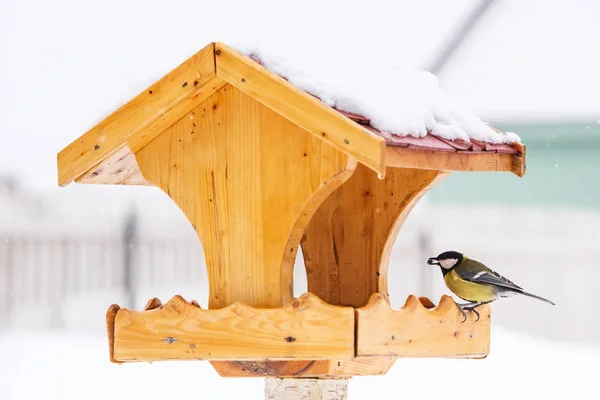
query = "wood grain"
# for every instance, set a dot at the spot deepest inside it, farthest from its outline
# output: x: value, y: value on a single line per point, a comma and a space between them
x: 417, y: 331
x: 248, y: 180
x: 402, y: 157
x: 519, y: 162
x: 121, y: 168
x: 144, y: 117
x: 178, y: 330
x: 341, y: 368
x: 301, y: 108
x: 347, y: 243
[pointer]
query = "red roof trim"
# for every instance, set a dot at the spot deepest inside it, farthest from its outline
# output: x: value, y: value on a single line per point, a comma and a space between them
x: 427, y: 142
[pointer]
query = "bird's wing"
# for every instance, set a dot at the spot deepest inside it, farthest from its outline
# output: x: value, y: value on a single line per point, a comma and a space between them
x: 479, y: 273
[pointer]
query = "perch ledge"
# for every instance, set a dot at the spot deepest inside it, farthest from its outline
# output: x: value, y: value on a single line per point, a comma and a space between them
x: 308, y: 328
x: 419, y: 329
x: 248, y: 341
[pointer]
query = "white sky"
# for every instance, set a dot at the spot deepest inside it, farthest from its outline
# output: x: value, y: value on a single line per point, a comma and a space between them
x: 534, y: 59
x: 68, y: 64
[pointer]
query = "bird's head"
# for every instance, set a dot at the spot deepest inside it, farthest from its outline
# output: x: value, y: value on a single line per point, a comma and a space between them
x: 447, y: 260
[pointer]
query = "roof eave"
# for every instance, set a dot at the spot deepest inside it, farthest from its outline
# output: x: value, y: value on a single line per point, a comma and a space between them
x: 144, y: 117
x: 467, y: 161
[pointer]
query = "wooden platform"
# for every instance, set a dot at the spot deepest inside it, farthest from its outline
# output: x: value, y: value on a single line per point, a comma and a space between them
x: 319, y: 339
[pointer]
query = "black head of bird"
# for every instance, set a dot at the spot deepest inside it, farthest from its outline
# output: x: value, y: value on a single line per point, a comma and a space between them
x: 447, y: 260
x: 473, y: 282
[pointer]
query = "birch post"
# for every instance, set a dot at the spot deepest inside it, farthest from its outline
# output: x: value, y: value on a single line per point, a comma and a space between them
x: 306, y: 389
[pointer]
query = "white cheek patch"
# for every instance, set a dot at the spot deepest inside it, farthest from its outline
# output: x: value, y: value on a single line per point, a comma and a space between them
x: 449, y: 263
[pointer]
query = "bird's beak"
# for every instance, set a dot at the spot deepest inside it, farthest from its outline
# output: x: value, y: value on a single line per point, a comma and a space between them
x: 433, y: 261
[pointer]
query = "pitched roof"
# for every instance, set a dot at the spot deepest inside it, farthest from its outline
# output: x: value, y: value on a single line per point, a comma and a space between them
x: 154, y: 110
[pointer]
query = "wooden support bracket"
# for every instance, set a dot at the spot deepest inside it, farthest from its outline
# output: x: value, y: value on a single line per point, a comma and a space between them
x: 248, y: 180
x: 347, y: 244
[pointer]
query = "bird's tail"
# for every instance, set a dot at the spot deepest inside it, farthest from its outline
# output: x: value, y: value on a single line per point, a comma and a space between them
x: 536, y: 297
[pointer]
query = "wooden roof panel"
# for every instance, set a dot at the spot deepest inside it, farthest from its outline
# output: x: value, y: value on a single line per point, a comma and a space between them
x: 143, y: 118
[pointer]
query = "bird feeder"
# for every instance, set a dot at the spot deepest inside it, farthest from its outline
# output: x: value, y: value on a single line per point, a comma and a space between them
x: 260, y: 167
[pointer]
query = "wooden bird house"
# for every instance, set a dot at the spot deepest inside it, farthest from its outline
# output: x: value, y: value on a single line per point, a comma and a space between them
x: 260, y: 167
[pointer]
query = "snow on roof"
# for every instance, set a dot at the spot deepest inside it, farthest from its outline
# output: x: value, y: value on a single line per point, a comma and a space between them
x: 397, y: 101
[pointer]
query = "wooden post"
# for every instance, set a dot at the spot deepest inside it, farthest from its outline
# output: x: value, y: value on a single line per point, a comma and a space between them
x: 306, y: 389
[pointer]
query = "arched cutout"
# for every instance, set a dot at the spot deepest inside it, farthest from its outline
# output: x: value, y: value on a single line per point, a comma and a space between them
x: 408, y: 272
x: 167, y: 262
x: 348, y: 241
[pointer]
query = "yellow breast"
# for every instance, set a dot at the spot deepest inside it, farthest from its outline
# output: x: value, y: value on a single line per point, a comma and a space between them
x: 468, y: 291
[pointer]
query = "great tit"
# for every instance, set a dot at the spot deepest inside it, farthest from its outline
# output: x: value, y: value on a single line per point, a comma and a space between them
x: 474, y: 282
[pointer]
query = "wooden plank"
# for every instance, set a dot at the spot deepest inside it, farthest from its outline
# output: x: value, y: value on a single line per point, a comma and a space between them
x: 458, y: 144
x: 301, y: 108
x: 501, y: 148
x: 121, y: 168
x: 519, y: 164
x: 341, y: 368
x: 347, y: 244
x: 453, y: 161
x: 111, y: 314
x: 416, y: 331
x: 427, y: 142
x: 248, y: 180
x: 144, y: 117
x: 306, y: 328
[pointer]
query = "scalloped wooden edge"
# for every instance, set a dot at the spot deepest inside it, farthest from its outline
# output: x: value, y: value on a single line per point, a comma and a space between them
x: 307, y: 328
x: 420, y: 329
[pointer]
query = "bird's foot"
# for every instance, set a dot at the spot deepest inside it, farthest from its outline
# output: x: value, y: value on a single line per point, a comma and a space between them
x: 463, y: 314
x: 462, y: 308
x: 476, y: 313
x: 469, y: 307
x: 472, y: 307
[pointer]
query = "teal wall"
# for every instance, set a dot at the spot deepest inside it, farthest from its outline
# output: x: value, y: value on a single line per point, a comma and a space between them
x: 563, y: 169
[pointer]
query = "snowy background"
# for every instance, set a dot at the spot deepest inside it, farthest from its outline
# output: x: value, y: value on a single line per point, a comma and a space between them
x: 526, y: 66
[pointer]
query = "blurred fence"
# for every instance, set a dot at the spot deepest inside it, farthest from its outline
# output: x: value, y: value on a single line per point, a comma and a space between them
x: 40, y: 272
x: 67, y: 281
